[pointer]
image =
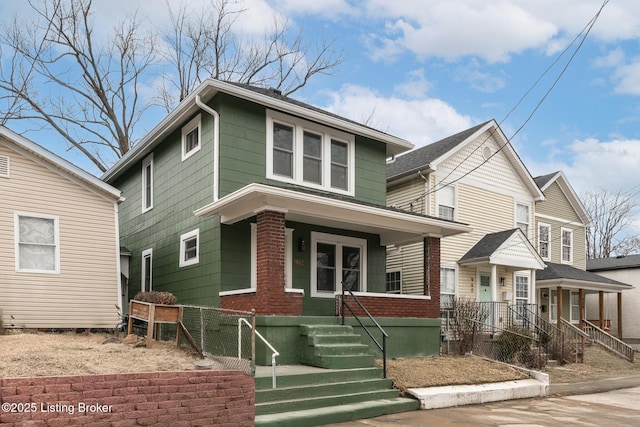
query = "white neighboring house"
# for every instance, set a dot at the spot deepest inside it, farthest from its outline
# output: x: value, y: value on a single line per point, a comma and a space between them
x: 624, y: 269
x: 59, y: 241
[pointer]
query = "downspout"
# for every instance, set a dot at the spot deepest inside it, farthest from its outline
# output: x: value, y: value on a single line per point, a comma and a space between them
x: 216, y: 145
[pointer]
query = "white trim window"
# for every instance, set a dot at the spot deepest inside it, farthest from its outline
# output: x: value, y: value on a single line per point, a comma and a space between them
x: 446, y: 201
x: 544, y: 240
x: 147, y: 183
x: 574, y: 307
x: 394, y: 282
x: 305, y: 153
x: 146, y: 271
x: 522, y: 289
x: 566, y: 242
x: 191, y: 137
x: 190, y: 248
x: 4, y: 166
x: 288, y: 257
x: 37, y: 243
x: 522, y: 218
x: 337, y: 260
x: 447, y: 287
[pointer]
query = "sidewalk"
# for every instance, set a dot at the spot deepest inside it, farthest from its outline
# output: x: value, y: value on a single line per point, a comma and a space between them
x: 593, y: 386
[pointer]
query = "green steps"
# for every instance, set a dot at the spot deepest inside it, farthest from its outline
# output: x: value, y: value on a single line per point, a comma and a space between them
x: 333, y: 347
x: 337, y: 414
x: 327, y: 396
x: 349, y: 387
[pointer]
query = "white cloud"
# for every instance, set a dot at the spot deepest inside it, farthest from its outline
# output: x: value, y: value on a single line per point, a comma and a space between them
x: 420, y: 121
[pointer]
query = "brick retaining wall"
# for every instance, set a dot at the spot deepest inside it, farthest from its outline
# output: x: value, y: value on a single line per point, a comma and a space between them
x: 186, y: 398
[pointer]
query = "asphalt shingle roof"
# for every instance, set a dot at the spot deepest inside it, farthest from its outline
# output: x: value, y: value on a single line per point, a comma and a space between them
x: 542, y: 180
x: 421, y: 157
x: 487, y: 245
x: 563, y: 271
x: 613, y: 263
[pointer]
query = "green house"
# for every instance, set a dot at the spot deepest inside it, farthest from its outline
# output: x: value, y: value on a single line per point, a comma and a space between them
x: 243, y: 198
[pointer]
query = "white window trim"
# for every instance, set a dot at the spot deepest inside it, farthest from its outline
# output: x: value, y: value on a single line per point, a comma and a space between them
x: 455, y: 201
x: 338, y: 240
x: 56, y: 226
x: 183, y: 239
x: 548, y: 257
x: 562, y: 260
x: 395, y: 270
x: 571, y: 306
x: 515, y: 216
x: 515, y: 287
x: 5, y: 167
x: 288, y: 259
x: 146, y: 253
x: 193, y: 124
x: 453, y: 267
x: 147, y: 163
x: 299, y: 126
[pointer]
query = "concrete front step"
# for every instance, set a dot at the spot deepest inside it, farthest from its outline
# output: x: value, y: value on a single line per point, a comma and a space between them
x: 336, y: 414
x: 337, y: 349
x: 323, y: 401
x: 333, y: 339
x: 333, y: 347
x: 323, y: 389
x: 340, y: 361
x: 318, y: 376
x: 310, y: 330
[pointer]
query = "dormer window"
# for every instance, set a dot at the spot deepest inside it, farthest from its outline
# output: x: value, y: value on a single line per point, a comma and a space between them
x: 191, y: 138
x: 308, y: 154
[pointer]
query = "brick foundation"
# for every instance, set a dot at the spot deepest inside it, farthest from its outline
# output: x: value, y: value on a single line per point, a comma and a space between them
x: 386, y: 306
x: 186, y: 398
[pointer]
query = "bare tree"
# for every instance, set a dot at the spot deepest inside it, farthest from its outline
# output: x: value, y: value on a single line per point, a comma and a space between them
x: 60, y: 75
x: 612, y: 217
x: 204, y: 45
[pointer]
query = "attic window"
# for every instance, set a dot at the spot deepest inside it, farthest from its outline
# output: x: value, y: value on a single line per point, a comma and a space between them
x: 4, y: 166
x: 486, y: 152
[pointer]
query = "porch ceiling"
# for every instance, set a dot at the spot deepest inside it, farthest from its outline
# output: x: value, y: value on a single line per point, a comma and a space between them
x: 393, y: 226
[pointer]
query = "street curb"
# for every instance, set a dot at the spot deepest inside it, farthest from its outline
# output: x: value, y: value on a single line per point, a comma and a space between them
x: 593, y: 386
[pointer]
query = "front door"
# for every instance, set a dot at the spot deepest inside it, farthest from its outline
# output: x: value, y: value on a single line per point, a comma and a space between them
x: 485, y: 296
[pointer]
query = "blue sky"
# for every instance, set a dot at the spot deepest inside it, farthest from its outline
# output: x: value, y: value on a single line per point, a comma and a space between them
x: 425, y: 69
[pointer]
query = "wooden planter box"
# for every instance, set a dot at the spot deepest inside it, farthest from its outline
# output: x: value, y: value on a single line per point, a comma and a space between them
x: 154, y: 315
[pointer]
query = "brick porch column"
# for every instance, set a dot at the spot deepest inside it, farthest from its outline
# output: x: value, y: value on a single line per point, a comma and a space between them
x: 431, y: 260
x: 270, y: 263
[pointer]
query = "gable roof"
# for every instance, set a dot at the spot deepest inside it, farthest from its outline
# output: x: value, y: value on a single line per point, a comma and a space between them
x: 544, y: 181
x: 428, y: 158
x: 51, y: 161
x: 569, y: 276
x: 509, y: 247
x: 269, y: 98
x: 613, y: 263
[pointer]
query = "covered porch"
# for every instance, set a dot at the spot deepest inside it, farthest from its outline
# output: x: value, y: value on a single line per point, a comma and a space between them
x: 562, y: 289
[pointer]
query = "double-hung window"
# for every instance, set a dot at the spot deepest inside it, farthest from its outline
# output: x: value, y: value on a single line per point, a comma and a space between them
x: 191, y: 135
x: 146, y: 284
x: 522, y: 298
x: 447, y: 287
x: 308, y: 154
x: 566, y: 237
x: 544, y: 236
x: 190, y: 248
x: 446, y: 197
x: 37, y: 247
x: 147, y: 183
x: 394, y: 282
x: 337, y: 261
x: 522, y: 218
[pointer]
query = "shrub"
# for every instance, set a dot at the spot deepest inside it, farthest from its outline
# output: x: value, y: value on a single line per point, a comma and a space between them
x: 515, y: 342
x: 156, y: 297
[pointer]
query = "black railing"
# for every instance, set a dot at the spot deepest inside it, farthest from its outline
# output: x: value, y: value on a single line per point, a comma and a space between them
x: 550, y: 336
x: 383, y: 347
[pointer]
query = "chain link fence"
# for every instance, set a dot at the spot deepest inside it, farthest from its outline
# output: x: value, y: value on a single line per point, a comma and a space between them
x: 224, y: 337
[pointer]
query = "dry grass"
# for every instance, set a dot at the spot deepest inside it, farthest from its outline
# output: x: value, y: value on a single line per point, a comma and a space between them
x: 455, y: 370
x: 47, y: 354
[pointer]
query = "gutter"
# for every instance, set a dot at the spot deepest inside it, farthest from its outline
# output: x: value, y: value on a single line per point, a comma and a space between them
x: 216, y: 144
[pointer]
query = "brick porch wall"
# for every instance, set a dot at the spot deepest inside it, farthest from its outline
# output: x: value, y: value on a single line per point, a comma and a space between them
x: 270, y: 297
x: 186, y: 398
x: 387, y: 306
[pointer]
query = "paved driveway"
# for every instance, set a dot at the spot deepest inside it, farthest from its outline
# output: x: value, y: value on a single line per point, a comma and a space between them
x: 613, y: 408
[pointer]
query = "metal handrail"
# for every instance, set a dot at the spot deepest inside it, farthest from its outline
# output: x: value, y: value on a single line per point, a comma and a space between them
x: 609, y: 341
x: 541, y: 325
x: 274, y: 353
x: 382, y: 347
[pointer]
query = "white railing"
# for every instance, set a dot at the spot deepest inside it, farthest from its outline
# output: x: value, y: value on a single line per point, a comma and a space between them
x: 609, y: 341
x: 274, y: 353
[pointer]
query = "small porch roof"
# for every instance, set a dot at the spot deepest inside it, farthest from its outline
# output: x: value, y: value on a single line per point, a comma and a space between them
x: 567, y: 276
x: 510, y: 248
x: 395, y: 227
